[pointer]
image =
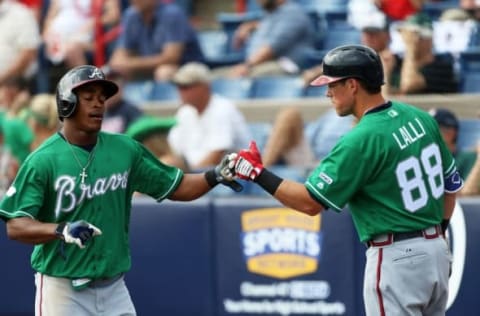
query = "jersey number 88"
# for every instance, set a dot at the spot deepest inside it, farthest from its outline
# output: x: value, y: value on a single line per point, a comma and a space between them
x: 412, y: 173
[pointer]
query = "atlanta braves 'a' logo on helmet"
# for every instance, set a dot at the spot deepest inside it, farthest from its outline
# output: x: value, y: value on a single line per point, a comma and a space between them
x: 96, y: 73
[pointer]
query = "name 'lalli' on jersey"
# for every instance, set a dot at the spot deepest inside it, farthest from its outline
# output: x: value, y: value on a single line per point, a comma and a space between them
x: 409, y: 133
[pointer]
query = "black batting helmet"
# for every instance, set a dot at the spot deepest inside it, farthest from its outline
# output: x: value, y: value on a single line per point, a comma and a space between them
x: 74, y: 78
x: 351, y: 61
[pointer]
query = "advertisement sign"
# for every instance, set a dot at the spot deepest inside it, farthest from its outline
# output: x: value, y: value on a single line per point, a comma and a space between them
x: 275, y: 261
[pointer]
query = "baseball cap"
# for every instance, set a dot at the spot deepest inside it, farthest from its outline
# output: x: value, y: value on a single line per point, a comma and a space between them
x: 445, y: 118
x: 419, y: 22
x: 372, y: 22
x: 190, y: 73
x: 148, y: 125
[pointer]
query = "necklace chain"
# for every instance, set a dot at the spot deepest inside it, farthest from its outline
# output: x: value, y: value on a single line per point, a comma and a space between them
x: 83, y: 174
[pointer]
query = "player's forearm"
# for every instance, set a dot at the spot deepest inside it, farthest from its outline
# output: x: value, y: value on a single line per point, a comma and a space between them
x: 30, y: 231
x: 449, y: 205
x: 192, y: 187
x: 294, y: 195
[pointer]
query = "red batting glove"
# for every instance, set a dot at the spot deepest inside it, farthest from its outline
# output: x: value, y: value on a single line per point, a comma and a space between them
x: 248, y: 164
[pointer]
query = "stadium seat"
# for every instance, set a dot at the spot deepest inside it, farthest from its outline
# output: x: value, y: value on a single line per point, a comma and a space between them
x: 260, y: 132
x: 325, y: 5
x: 468, y: 135
x: 470, y: 82
x: 341, y: 36
x: 315, y: 58
x: 233, y: 88
x: 315, y: 92
x: 434, y: 9
x: 164, y: 91
x: 470, y: 61
x: 138, y: 92
x: 277, y: 87
x: 213, y: 43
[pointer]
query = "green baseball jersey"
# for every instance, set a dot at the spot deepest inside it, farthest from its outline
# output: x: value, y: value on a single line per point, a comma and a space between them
x: 390, y: 169
x: 48, y: 188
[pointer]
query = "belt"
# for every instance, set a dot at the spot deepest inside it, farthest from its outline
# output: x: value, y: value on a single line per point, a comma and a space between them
x: 104, y: 282
x: 390, y: 238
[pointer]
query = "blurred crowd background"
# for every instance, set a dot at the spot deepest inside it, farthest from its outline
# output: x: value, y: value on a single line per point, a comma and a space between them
x: 206, y: 56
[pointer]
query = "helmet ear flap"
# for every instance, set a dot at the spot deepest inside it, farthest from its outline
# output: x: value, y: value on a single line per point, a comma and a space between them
x: 67, y: 107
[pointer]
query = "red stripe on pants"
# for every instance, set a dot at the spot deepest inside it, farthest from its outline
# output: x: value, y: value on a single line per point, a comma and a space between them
x: 379, y: 270
x: 40, y: 300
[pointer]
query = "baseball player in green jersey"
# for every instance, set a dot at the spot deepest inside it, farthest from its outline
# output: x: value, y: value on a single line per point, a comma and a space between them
x: 75, y: 192
x: 396, y: 175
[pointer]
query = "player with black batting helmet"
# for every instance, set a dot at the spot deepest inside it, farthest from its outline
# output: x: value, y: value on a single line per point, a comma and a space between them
x: 75, y: 78
x: 398, y: 178
x: 72, y: 199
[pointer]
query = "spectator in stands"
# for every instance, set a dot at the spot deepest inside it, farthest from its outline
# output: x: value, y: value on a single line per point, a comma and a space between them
x: 278, y: 44
x: 420, y: 70
x: 19, y: 41
x: 119, y: 113
x: 42, y: 118
x: 156, y: 39
x: 455, y: 31
x: 69, y: 29
x: 449, y: 127
x: 152, y: 132
x: 208, y: 125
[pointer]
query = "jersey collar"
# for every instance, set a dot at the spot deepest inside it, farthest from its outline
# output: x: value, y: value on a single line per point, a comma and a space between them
x: 379, y: 108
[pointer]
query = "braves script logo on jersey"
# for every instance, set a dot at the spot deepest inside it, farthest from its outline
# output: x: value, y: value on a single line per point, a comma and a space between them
x: 67, y: 199
x: 96, y: 73
x: 280, y: 243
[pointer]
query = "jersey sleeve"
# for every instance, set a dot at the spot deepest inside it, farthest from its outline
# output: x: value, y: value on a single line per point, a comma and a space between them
x: 152, y: 177
x: 338, y: 177
x: 452, y: 179
x: 25, y: 195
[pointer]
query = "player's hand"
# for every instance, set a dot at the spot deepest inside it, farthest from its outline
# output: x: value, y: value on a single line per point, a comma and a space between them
x: 224, y: 172
x: 79, y: 233
x: 248, y: 164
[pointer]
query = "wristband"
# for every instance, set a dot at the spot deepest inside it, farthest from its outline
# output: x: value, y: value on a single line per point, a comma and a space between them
x: 211, y: 178
x: 59, y: 230
x: 444, y: 225
x: 268, y: 181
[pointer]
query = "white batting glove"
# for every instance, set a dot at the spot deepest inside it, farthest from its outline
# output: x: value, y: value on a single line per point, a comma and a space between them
x: 79, y: 232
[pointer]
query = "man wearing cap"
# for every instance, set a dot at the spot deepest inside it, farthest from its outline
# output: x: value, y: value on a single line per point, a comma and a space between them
x: 208, y: 124
x: 421, y: 71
